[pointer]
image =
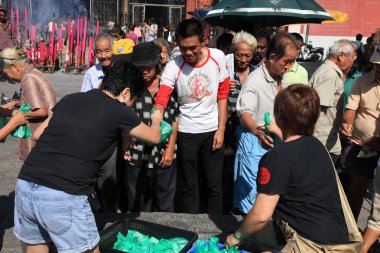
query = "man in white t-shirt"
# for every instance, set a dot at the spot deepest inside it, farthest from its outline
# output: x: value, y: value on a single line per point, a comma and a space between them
x: 201, y: 79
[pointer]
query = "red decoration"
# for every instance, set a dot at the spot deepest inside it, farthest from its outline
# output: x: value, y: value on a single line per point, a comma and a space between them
x: 264, y: 175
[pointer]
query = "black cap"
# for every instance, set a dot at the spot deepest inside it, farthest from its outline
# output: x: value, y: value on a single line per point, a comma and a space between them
x: 145, y: 55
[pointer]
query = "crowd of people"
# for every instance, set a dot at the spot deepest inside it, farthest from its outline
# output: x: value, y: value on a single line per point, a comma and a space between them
x: 252, y: 134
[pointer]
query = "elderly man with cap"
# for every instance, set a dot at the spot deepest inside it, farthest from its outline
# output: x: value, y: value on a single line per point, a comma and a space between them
x: 151, y: 170
x: 361, y: 125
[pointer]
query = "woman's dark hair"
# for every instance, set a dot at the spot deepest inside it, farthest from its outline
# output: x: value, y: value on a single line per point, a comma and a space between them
x: 3, y: 11
x: 123, y: 75
x: 189, y: 28
x: 296, y: 110
x: 279, y: 43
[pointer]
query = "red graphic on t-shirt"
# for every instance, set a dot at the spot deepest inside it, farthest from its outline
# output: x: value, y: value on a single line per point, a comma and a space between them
x: 264, y: 175
x: 199, y: 87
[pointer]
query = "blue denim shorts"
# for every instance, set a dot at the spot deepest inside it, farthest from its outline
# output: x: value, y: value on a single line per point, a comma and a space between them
x: 44, y: 215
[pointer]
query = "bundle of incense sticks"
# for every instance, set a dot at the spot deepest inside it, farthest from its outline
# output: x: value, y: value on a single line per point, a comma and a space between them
x: 76, y: 40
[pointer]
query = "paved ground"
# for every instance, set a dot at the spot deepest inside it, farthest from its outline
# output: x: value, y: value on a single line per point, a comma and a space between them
x: 10, y: 165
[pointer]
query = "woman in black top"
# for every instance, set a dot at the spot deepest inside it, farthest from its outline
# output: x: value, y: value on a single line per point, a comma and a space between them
x: 296, y: 180
x: 51, y: 203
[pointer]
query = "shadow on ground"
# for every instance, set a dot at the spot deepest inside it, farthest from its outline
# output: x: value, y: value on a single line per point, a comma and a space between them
x: 6, y: 214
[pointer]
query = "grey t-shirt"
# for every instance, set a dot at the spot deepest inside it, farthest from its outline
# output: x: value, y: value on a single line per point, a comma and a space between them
x: 257, y: 95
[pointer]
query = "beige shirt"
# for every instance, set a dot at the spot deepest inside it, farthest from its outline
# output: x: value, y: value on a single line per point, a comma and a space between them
x: 364, y: 99
x: 327, y: 81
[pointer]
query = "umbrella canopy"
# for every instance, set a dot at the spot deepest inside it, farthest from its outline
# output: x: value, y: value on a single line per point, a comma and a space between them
x: 338, y: 16
x: 199, y: 13
x: 234, y: 14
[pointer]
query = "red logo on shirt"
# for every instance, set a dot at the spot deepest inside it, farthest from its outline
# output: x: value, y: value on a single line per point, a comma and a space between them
x: 264, y: 175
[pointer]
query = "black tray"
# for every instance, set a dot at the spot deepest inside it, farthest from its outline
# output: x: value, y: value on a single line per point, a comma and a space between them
x: 108, y: 236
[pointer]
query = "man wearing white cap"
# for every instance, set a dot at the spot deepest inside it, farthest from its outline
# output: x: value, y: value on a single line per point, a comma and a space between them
x: 361, y: 125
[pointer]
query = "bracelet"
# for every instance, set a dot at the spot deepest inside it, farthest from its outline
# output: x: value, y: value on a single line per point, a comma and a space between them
x: 237, y: 237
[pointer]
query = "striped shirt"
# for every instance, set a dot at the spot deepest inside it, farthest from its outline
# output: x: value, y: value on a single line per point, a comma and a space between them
x: 233, y: 96
x: 37, y: 91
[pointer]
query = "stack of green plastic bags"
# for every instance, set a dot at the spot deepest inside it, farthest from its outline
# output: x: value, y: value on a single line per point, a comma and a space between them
x: 211, y: 246
x: 166, y: 129
x: 21, y: 131
x: 135, y: 242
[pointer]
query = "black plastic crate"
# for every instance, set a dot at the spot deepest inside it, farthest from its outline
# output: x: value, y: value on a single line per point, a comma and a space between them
x: 108, y: 236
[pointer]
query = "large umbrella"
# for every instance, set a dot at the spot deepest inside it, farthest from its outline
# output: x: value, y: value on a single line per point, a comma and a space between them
x: 238, y: 14
x: 338, y: 17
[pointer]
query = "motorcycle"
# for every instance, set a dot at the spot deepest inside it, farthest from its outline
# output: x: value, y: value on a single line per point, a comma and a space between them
x: 310, y: 53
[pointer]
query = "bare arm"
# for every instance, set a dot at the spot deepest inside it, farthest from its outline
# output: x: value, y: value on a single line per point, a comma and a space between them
x: 222, y: 119
x: 17, y: 120
x: 40, y: 129
x: 274, y: 129
x: 150, y: 134
x: 348, y: 121
x: 250, y: 124
x: 168, y: 155
x: 37, y: 113
x: 256, y: 219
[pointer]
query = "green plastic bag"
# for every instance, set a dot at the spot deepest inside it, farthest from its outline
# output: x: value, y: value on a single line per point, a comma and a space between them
x: 135, y: 242
x: 267, y: 121
x: 212, y: 246
x: 3, y: 122
x: 22, y: 131
x: 166, y: 129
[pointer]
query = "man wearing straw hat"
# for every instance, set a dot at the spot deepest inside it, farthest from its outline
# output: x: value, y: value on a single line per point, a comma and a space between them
x: 372, y: 232
x: 361, y: 125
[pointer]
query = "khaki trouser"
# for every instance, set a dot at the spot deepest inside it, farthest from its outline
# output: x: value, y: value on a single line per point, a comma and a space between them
x: 374, y: 219
x: 299, y: 244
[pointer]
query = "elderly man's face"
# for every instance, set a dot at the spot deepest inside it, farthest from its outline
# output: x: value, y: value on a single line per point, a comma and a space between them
x: 206, y: 36
x: 243, y: 55
x: 262, y: 45
x: 278, y: 67
x: 346, y: 61
x: 13, y: 72
x: 103, y: 51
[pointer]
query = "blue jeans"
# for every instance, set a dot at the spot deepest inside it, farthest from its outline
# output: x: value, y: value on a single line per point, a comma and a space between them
x: 44, y: 215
